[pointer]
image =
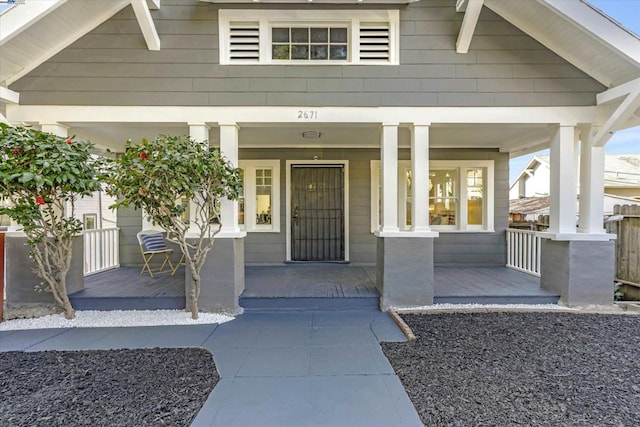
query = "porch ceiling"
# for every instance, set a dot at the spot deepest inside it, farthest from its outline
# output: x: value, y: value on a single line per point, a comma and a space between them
x: 510, y: 138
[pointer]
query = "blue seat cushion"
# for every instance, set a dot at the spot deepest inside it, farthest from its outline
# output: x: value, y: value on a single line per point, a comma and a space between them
x: 154, y: 242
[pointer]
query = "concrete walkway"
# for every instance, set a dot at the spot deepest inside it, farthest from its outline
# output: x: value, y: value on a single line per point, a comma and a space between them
x: 321, y: 368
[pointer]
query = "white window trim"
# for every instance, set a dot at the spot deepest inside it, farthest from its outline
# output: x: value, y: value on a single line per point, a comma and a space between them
x: 345, y: 164
x: 459, y: 165
x: 266, y: 19
x: 249, y: 167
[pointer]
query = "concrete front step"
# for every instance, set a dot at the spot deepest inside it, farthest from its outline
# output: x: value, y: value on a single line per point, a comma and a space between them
x: 309, y: 304
x: 293, y: 304
x: 502, y: 299
x: 127, y: 303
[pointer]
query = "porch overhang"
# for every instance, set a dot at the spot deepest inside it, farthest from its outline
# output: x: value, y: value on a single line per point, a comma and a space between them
x: 505, y: 129
x: 341, y: 2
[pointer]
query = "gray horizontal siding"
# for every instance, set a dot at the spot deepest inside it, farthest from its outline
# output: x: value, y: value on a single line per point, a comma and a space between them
x: 450, y: 248
x: 111, y: 66
x: 130, y: 222
x: 270, y: 248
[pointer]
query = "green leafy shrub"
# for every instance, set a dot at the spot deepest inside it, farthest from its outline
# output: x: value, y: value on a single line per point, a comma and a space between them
x: 41, y: 175
x: 161, y: 177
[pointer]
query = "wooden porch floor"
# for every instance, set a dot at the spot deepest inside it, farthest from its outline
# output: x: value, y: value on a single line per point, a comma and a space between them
x: 481, y: 285
x: 488, y: 285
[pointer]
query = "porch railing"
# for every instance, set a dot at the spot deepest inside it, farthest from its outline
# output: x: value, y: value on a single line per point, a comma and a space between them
x: 523, y: 251
x: 101, y: 250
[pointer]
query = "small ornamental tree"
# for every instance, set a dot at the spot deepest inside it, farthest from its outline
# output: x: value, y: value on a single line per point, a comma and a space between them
x: 41, y: 175
x: 162, y: 176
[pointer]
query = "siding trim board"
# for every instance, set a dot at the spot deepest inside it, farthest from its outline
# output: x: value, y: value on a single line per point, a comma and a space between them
x: 251, y: 114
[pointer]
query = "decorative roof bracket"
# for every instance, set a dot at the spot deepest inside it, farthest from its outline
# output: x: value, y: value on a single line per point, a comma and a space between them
x: 143, y: 15
x: 471, y: 9
x: 625, y: 111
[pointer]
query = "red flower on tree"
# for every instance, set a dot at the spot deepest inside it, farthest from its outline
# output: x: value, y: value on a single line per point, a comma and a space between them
x: 16, y: 150
x: 68, y: 141
x: 143, y: 155
x: 40, y: 200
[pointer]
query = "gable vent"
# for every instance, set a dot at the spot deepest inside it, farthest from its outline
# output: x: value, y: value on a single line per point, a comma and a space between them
x: 244, y: 42
x: 374, y: 41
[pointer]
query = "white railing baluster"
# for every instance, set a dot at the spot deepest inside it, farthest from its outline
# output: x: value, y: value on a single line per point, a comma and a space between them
x: 101, y: 250
x: 523, y: 251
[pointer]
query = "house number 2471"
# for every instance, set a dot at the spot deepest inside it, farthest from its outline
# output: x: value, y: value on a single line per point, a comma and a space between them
x: 307, y: 114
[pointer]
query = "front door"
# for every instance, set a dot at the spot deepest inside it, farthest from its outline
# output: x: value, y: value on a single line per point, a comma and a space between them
x: 317, y: 213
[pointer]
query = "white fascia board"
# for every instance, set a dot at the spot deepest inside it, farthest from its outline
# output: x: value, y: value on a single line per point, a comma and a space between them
x: 469, y: 22
x: 600, y: 25
x: 301, y: 2
x: 529, y: 150
x: 24, y: 15
x: 143, y: 15
x: 7, y: 96
x: 568, y: 116
x: 153, y: 4
x: 81, y: 29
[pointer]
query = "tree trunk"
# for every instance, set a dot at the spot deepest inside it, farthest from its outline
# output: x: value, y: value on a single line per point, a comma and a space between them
x: 69, y: 312
x: 193, y: 295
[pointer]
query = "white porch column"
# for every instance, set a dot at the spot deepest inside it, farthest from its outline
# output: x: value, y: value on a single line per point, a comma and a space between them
x: 563, y: 191
x: 389, y: 177
x: 55, y: 128
x: 229, y: 208
x: 199, y: 132
x: 420, y: 184
x: 591, y: 184
x: 223, y: 272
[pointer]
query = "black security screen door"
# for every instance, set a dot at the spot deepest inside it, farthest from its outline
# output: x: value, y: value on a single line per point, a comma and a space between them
x: 317, y: 213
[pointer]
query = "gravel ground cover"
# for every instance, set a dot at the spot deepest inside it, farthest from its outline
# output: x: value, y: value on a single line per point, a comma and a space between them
x: 534, y: 369
x: 105, y: 387
x: 114, y: 318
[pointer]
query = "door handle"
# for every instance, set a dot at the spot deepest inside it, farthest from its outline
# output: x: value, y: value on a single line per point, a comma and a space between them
x: 295, y: 215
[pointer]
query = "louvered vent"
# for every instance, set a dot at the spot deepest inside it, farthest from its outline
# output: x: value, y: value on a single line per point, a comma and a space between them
x: 244, y: 42
x: 374, y: 42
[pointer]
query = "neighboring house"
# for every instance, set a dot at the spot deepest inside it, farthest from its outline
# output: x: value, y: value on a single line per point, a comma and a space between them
x: 529, y: 192
x: 621, y: 177
x: 527, y: 211
x: 368, y: 132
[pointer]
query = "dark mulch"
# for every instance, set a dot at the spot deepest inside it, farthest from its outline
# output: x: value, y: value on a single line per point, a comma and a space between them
x: 105, y: 388
x: 534, y: 369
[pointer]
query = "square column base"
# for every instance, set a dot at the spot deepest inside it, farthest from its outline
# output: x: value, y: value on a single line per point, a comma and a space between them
x: 582, y: 272
x: 21, y: 281
x: 404, y: 274
x: 222, y: 277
